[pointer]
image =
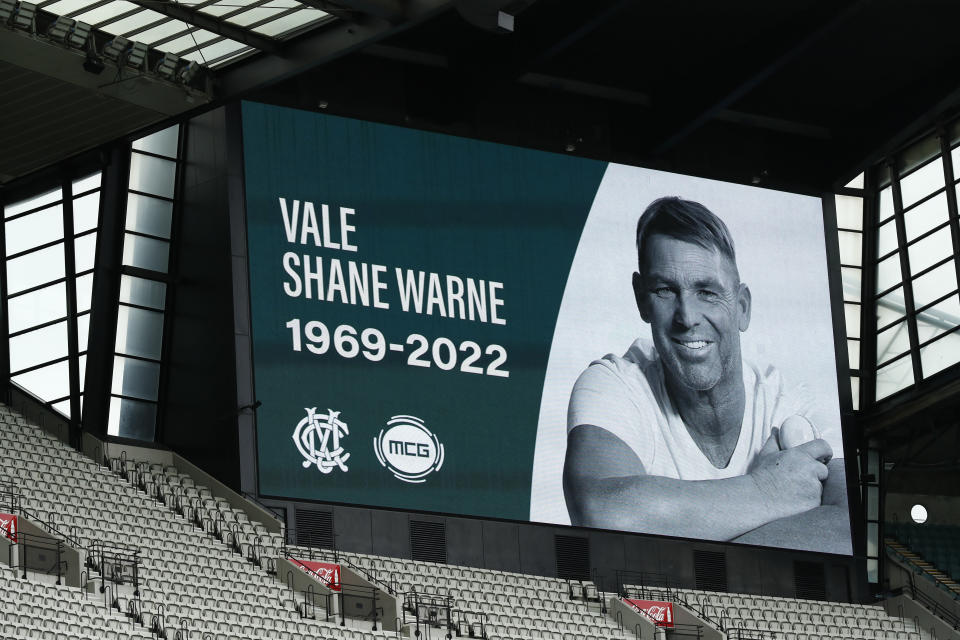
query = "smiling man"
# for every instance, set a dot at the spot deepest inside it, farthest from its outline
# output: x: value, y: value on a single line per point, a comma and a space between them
x: 683, y: 437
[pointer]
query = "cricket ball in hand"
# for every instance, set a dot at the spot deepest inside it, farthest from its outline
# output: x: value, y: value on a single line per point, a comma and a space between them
x: 796, y: 430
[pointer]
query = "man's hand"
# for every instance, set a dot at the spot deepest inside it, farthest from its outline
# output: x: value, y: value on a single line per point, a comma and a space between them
x: 791, y: 481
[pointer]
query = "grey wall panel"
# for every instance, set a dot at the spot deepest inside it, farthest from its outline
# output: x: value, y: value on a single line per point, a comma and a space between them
x: 743, y: 565
x: 676, y: 561
x: 537, y: 555
x: 607, y: 555
x: 774, y: 572
x: 465, y: 542
x: 641, y: 554
x: 500, y: 546
x: 352, y: 528
x: 389, y: 532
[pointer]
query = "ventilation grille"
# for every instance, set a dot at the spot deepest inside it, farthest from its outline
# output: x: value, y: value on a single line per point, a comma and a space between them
x: 710, y: 570
x: 428, y: 541
x: 314, y: 528
x: 809, y: 580
x: 573, y: 557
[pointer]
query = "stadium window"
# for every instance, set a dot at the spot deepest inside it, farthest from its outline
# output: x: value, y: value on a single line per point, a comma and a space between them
x: 148, y: 226
x: 914, y: 265
x: 40, y: 232
x: 849, y: 208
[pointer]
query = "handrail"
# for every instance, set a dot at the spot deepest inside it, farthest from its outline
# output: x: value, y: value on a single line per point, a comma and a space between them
x: 920, y: 571
x: 274, y: 511
x: 34, y: 517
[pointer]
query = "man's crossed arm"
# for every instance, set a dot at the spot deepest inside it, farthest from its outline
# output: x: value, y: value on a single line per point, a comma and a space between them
x: 606, y: 486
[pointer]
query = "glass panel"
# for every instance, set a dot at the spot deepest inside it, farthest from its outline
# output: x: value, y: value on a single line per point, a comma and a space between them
x: 850, y: 212
x: 938, y: 319
x: 42, y: 305
x: 84, y: 292
x: 32, y: 203
x: 934, y: 284
x: 135, y: 378
x: 930, y: 250
x: 86, y: 212
x: 34, y: 230
x: 855, y: 392
x: 888, y: 273
x: 853, y: 353
x: 63, y: 7
x: 939, y: 355
x: 856, y: 183
x: 873, y: 533
x: 873, y: 503
x: 873, y: 465
x: 131, y: 419
x: 145, y: 253
x: 921, y: 182
x: 162, y: 143
x: 894, y: 377
x: 104, y: 13
x: 873, y: 571
x: 142, y: 292
x: 851, y: 279
x: 63, y: 407
x: 851, y: 313
x: 281, y: 26
x: 851, y: 247
x: 86, y: 252
x: 892, y: 342
x: 254, y: 15
x: 41, y: 345
x: 198, y: 36
x: 160, y: 32
x: 125, y: 26
x: 83, y: 331
x: 139, y: 332
x: 886, y: 203
x: 887, y: 238
x: 152, y: 175
x: 46, y: 383
x: 85, y: 184
x: 149, y: 215
x: 35, y: 268
x: 83, y: 374
x: 926, y: 216
x: 214, y: 51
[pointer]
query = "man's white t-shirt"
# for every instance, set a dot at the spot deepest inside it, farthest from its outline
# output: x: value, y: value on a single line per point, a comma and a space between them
x: 628, y: 397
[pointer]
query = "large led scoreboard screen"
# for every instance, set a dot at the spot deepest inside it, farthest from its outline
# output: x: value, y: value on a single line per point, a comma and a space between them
x: 455, y: 326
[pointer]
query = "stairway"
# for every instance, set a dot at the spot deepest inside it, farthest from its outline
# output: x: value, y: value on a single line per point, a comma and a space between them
x: 921, y: 563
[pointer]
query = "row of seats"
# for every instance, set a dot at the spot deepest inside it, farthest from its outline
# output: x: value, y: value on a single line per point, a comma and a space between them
x: 196, y: 575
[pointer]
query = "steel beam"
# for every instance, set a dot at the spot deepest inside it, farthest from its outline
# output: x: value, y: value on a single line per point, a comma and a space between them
x: 210, y: 23
x: 318, y: 48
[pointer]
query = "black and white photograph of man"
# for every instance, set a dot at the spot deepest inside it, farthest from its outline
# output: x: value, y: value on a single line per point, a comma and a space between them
x: 680, y: 433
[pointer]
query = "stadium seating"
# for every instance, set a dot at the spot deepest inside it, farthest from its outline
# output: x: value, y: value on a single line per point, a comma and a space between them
x: 794, y: 619
x: 202, y: 579
x: 938, y: 545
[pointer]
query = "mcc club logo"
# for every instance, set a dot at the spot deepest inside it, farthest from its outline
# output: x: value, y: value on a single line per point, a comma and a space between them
x: 318, y: 438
